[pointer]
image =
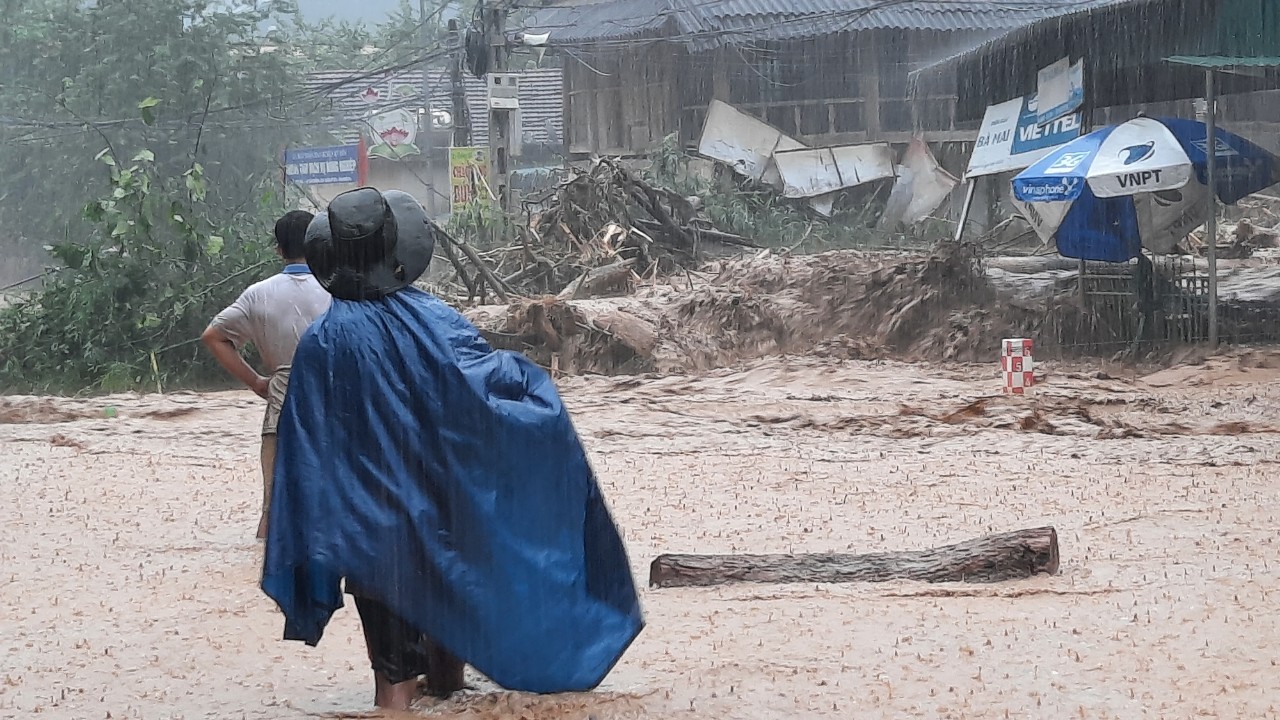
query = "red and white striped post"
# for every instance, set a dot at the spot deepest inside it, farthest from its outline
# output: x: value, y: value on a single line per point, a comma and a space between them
x: 1017, y: 366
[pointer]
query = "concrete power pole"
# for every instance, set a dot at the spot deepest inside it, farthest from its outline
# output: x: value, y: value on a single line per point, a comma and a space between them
x: 461, y: 113
x: 500, y: 125
x: 427, y: 126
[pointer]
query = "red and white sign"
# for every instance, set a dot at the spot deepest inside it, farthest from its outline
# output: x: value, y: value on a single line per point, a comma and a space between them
x: 1017, y: 365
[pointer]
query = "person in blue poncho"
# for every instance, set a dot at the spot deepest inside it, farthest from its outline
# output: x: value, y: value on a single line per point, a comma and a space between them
x: 443, y: 481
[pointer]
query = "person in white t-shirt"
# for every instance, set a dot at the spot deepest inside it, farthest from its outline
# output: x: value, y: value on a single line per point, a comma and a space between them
x: 270, y: 315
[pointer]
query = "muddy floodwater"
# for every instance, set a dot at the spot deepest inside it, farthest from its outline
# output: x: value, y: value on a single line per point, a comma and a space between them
x: 128, y: 566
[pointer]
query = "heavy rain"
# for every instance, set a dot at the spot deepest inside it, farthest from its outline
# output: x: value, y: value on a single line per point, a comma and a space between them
x: 639, y: 358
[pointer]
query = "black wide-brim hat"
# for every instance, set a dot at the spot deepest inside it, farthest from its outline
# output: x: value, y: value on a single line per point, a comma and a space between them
x: 370, y: 244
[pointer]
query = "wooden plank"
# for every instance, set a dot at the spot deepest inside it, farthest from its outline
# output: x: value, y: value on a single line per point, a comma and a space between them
x: 630, y: 72
x: 993, y: 558
x: 870, y: 82
x: 592, y: 136
x: 566, y: 113
x: 720, y: 77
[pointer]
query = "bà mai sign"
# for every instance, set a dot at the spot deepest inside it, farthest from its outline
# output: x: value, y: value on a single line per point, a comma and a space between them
x: 1012, y: 139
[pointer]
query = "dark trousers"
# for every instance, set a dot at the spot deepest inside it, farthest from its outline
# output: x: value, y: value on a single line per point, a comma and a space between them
x: 400, y: 653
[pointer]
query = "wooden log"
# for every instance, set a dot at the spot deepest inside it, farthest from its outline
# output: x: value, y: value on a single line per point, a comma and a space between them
x: 994, y: 558
x: 636, y: 333
x: 446, y: 248
x: 597, y: 279
x: 705, y: 233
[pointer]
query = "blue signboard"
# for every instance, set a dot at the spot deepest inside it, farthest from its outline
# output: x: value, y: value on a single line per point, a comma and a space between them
x: 323, y: 165
x: 1060, y: 88
x: 1011, y: 139
x: 1031, y: 136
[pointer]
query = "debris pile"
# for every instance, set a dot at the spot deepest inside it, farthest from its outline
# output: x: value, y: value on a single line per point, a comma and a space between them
x: 1246, y: 239
x: 935, y: 306
x: 843, y: 303
x: 603, y: 229
x: 1256, y: 227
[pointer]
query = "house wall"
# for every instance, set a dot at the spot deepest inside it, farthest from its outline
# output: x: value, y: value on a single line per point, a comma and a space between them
x: 427, y: 183
x: 624, y: 102
x: 842, y: 88
x: 1251, y: 115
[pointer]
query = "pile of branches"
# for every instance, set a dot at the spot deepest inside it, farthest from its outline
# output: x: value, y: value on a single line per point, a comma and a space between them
x: 604, y: 228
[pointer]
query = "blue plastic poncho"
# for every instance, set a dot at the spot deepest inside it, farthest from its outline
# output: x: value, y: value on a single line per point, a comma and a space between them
x: 446, y: 480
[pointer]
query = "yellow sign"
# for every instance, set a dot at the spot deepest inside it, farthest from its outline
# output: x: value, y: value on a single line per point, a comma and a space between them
x: 469, y: 176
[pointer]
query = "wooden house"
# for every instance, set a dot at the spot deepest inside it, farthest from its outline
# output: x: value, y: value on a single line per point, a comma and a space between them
x: 822, y: 71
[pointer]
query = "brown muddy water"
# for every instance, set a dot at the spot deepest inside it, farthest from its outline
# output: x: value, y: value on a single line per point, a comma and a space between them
x: 128, y: 566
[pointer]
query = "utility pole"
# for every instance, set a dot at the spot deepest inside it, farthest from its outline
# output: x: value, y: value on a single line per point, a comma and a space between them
x: 461, y: 112
x: 495, y: 26
x: 427, y: 124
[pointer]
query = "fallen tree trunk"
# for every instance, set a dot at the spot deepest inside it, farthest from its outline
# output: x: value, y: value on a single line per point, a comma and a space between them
x: 994, y: 558
x: 703, y: 233
x: 597, y: 280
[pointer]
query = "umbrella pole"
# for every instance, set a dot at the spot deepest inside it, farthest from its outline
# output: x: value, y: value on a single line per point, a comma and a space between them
x: 1211, y: 225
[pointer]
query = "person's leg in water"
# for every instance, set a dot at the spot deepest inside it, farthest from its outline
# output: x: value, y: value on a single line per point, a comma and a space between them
x: 277, y: 387
x: 268, y: 473
x: 399, y: 655
x: 445, y: 673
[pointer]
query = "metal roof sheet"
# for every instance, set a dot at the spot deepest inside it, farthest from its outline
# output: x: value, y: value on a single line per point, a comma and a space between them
x: 541, y: 99
x: 579, y: 22
x: 1125, y: 67
x: 1219, y: 62
x: 704, y: 25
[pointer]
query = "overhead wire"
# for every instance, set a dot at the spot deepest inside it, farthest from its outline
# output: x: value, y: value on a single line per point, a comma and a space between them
x: 404, y: 61
x: 318, y: 92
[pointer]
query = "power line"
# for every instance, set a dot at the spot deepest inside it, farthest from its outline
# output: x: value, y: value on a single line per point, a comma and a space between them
x: 317, y: 92
x: 404, y: 61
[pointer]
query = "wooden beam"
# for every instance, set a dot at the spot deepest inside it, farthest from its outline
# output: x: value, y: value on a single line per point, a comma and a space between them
x: 889, y: 137
x: 994, y: 558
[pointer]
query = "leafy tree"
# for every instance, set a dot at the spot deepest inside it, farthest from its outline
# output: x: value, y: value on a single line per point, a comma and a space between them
x: 135, y: 293
x: 140, y: 144
x: 74, y: 78
x: 166, y: 119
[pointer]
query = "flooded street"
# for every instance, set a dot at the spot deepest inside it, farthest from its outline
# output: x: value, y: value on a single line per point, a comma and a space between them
x: 130, y: 569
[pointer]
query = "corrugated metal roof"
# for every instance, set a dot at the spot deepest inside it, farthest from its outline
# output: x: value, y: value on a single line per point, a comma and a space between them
x: 1126, y: 67
x: 1220, y: 62
x: 541, y: 99
x: 708, y: 24
x: 599, y: 20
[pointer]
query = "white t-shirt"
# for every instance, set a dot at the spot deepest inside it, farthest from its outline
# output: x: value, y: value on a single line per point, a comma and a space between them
x: 273, y: 314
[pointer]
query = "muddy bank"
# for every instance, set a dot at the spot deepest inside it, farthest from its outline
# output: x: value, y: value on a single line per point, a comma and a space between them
x: 946, y: 305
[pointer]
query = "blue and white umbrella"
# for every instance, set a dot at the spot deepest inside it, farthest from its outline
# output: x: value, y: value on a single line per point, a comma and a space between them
x: 1143, y: 183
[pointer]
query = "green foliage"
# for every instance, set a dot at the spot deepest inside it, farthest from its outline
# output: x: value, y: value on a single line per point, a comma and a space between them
x: 192, y: 83
x: 133, y: 296
x: 150, y: 244
x: 483, y: 225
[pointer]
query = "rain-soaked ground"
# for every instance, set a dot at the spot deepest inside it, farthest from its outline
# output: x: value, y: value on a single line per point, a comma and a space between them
x: 129, y: 566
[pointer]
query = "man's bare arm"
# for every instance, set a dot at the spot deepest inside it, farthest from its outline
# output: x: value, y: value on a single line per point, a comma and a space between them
x: 224, y: 351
